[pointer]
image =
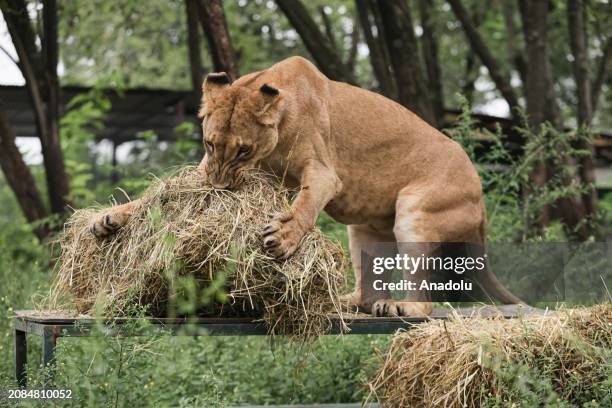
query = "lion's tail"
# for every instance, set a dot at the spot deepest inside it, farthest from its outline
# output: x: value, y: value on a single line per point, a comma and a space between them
x: 487, y: 279
x: 495, y: 289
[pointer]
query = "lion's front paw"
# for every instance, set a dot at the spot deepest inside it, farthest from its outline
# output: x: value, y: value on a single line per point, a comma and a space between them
x: 282, y: 236
x: 108, y: 222
x: 393, y: 308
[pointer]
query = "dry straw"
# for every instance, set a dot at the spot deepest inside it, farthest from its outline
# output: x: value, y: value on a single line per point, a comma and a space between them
x: 461, y: 362
x: 185, y: 228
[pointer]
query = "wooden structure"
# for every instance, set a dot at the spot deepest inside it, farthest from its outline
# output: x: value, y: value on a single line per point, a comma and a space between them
x: 160, y: 110
x: 52, y: 326
x: 132, y: 112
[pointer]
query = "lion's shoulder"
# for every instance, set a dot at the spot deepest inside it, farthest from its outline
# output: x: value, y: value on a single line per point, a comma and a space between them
x: 293, y: 71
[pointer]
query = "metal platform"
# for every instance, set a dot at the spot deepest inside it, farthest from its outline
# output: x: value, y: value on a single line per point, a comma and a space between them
x: 53, y: 325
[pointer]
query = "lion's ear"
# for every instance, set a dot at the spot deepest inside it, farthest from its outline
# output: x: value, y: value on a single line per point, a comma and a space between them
x: 214, y: 83
x: 268, y: 111
x: 269, y: 90
x: 216, y: 79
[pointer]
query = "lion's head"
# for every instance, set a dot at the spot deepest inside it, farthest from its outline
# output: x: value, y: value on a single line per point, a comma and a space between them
x: 240, y: 126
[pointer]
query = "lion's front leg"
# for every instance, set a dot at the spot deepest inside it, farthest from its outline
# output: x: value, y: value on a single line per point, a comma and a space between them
x: 282, y: 236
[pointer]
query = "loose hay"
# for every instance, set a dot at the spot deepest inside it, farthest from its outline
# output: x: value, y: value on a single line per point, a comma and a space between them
x: 184, y: 227
x: 471, y: 362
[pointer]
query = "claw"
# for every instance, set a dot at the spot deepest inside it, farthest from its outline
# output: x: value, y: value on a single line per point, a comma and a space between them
x: 270, y: 242
x: 388, y: 307
x: 279, y: 238
x: 270, y: 228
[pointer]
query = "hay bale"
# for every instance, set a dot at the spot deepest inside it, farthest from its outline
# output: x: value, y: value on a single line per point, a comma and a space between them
x: 472, y: 362
x: 186, y: 228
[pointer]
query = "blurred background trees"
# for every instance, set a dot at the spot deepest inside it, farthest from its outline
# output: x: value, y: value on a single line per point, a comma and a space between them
x: 98, y: 96
x: 546, y: 61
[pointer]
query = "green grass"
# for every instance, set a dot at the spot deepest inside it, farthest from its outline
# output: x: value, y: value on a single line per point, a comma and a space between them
x: 164, y: 370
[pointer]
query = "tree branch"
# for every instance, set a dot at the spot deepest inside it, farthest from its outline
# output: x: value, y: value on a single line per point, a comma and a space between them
x: 39, y: 69
x: 405, y: 58
x: 377, y: 48
x: 49, y: 39
x: 193, y: 45
x: 432, y: 62
x: 20, y: 179
x: 352, y: 53
x: 214, y: 25
x: 22, y: 35
x: 13, y: 60
x: 603, y: 70
x: 542, y: 104
x: 576, y: 16
x: 328, y: 60
x: 329, y: 30
x: 514, y: 53
x: 576, y: 22
x: 472, y: 62
x: 15, y: 14
x: 502, y: 82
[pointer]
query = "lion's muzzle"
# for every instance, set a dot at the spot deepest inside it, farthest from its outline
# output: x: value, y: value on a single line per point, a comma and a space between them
x: 226, y: 181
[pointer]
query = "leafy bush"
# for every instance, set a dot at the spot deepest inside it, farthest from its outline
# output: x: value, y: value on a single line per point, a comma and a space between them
x: 514, y: 204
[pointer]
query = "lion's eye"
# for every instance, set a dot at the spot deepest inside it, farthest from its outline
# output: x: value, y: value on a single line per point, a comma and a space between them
x: 209, y: 146
x: 244, y: 151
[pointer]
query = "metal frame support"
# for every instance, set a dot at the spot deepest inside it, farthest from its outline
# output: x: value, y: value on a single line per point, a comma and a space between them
x: 21, y: 358
x: 49, y: 342
x: 51, y: 328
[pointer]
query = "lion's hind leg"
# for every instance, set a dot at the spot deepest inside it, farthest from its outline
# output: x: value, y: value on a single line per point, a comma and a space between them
x: 412, y: 237
x: 362, y: 237
x: 423, y: 220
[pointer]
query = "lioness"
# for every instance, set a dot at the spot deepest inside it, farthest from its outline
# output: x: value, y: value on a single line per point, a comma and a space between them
x: 367, y: 161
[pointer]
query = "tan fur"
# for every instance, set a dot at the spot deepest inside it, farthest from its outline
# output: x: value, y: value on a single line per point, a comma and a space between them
x: 364, y: 159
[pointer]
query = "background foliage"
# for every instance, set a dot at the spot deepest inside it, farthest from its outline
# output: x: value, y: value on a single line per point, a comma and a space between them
x: 122, y: 44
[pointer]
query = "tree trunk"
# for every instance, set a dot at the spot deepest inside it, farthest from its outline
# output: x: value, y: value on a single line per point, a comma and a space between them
x: 20, y: 179
x: 537, y: 81
x: 502, y: 81
x: 539, y: 87
x: 432, y: 61
x: 382, y: 37
x: 472, y: 71
x: 472, y: 63
x: 405, y: 58
x: 514, y: 53
x: 378, y: 57
x: 53, y: 156
x: 351, y: 58
x: 218, y: 38
x: 317, y: 44
x: 542, y: 103
x: 603, y: 71
x: 576, y: 15
x: 193, y: 45
x: 39, y: 68
x: 327, y: 26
